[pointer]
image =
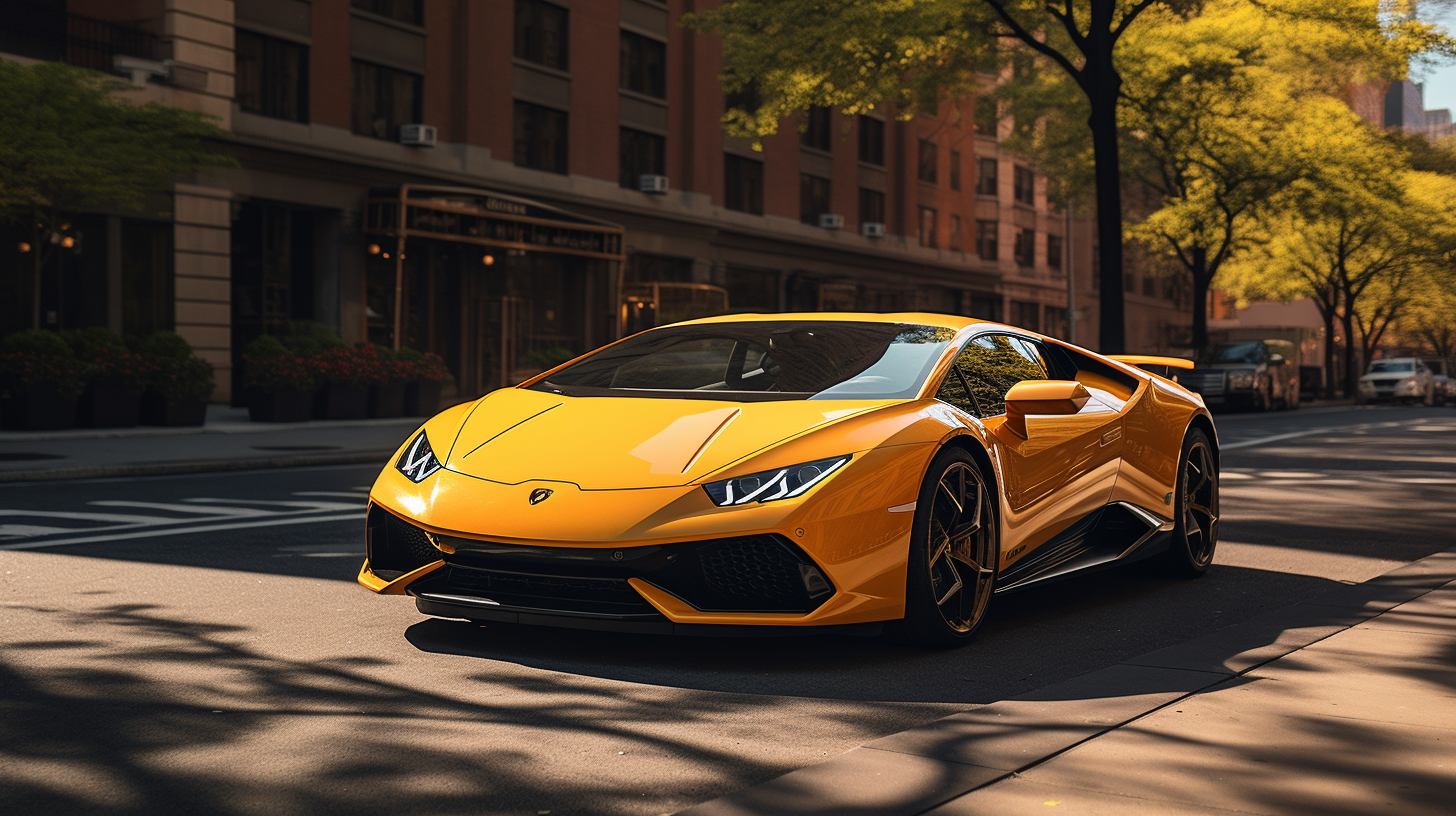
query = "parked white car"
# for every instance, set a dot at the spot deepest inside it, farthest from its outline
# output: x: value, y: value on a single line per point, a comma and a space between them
x: 1398, y: 378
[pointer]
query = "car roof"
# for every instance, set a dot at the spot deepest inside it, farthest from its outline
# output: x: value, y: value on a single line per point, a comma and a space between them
x: 921, y: 318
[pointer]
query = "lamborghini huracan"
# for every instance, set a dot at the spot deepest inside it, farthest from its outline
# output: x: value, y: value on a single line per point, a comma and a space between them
x: 794, y: 473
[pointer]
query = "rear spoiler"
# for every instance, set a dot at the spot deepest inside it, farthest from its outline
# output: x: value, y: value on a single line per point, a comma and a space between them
x: 1161, y: 366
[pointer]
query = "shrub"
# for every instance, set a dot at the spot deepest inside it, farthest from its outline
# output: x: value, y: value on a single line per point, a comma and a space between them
x: 359, y: 365
x: 175, y: 372
x: 308, y: 338
x: 107, y: 351
x: 34, y: 356
x: 269, y: 364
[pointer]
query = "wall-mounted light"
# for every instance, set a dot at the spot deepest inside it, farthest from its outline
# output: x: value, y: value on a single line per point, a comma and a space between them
x: 488, y: 260
x: 386, y: 256
x: 374, y: 249
x: 23, y: 247
x: 68, y: 242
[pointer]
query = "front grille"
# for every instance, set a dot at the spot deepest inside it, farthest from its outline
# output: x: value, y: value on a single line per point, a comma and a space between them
x: 1207, y: 383
x: 752, y: 567
x: 761, y: 573
x: 394, y: 546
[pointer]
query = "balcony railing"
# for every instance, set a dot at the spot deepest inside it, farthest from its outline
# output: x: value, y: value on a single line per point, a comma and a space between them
x: 44, y: 31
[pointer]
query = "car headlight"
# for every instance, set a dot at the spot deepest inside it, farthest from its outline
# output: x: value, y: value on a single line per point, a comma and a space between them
x: 772, y: 485
x: 1241, y: 379
x: 418, y: 460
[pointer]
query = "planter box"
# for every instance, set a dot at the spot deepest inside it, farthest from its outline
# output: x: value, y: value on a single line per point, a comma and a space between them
x: 156, y: 410
x: 37, y: 407
x: 333, y: 401
x: 281, y: 405
x: 109, y: 402
x: 386, y: 400
x: 422, y: 398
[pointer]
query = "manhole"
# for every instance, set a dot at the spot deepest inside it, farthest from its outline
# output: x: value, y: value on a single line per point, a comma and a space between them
x: 28, y: 457
x: 295, y: 447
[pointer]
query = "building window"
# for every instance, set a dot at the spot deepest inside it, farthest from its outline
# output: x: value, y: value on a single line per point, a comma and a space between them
x: 384, y: 99
x: 925, y: 167
x: 813, y: 198
x: 1026, y: 315
x: 955, y: 170
x: 987, y: 176
x: 1024, y: 185
x: 987, y: 116
x: 404, y: 11
x: 541, y: 33
x: 871, y: 141
x: 540, y: 135
x: 1150, y: 286
x: 816, y: 129
x: 642, y: 154
x: 871, y: 206
x: 927, y: 227
x: 1054, y: 251
x: 746, y: 99
x: 742, y: 184
x: 643, y: 65
x: 1056, y: 322
x: 986, y: 240
x: 272, y: 76
x: 956, y: 243
x: 1024, y: 248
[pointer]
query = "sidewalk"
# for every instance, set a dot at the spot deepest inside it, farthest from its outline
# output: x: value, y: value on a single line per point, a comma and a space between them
x: 1342, y: 704
x: 227, y: 442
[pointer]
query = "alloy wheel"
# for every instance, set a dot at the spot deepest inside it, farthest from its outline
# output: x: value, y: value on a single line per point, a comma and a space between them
x: 1200, y: 503
x: 962, y: 546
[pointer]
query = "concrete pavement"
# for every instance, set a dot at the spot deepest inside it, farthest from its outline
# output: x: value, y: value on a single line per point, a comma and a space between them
x: 1342, y: 704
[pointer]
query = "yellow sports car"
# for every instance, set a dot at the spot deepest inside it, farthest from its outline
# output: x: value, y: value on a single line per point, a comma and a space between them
x: 796, y: 472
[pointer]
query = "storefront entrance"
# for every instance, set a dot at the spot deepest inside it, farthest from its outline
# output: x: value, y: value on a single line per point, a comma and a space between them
x: 500, y: 287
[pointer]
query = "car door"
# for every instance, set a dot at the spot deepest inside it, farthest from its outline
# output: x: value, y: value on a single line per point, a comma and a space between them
x: 1065, y: 467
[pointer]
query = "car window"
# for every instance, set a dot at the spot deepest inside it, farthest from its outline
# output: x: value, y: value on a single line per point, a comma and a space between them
x: 1390, y: 366
x: 989, y: 365
x: 1107, y: 382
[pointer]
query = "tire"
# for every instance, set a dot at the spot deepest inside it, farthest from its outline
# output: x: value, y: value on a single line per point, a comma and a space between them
x: 954, y: 550
x: 1195, y: 525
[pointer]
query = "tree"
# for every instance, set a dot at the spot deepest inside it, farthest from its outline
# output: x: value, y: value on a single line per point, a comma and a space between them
x: 69, y: 140
x: 860, y: 54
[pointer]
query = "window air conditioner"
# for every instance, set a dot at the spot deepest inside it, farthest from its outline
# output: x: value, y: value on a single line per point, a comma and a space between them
x: 417, y: 135
x: 652, y: 184
x: 872, y: 229
x: 831, y: 220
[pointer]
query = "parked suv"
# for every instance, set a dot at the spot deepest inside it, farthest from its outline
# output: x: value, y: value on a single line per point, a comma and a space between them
x: 1398, y: 378
x: 1260, y: 374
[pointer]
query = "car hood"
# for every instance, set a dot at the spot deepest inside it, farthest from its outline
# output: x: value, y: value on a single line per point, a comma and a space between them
x: 607, y: 443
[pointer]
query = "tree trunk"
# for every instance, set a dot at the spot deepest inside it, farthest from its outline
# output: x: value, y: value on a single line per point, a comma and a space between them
x: 1329, y: 317
x: 1352, y: 375
x: 1102, y: 86
x: 1201, y: 280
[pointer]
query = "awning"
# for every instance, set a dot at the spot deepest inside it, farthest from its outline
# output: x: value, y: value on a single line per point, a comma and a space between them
x: 489, y: 219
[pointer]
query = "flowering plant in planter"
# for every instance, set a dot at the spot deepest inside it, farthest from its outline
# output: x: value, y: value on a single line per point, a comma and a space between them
x: 173, y: 372
x: 269, y: 365
x: 428, y: 375
x: 40, y: 379
x: 357, y: 366
x: 113, y: 396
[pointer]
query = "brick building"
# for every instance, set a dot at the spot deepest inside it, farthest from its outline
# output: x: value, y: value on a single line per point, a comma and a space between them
x: 520, y: 204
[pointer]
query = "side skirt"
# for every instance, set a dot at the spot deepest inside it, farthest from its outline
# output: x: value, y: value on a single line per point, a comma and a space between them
x: 1117, y: 533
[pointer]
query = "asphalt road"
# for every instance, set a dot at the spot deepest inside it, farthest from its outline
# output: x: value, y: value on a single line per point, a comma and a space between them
x: 197, y: 644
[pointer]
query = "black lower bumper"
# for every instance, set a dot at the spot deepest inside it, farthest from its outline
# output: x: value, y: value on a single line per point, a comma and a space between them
x: 484, y: 612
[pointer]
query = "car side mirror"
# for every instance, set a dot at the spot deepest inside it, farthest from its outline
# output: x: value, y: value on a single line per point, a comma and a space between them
x: 1045, y: 397
x: 1276, y: 359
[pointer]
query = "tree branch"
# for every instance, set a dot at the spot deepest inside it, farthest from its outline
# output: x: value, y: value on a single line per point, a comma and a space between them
x: 1127, y: 18
x: 1031, y: 41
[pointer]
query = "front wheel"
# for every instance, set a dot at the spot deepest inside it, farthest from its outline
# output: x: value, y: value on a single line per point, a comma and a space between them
x: 954, y: 548
x: 1195, y: 528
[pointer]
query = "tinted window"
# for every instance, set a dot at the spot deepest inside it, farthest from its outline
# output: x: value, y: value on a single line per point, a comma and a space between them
x: 1392, y: 365
x: 541, y: 32
x: 1251, y: 352
x: 991, y: 364
x: 272, y: 76
x: 742, y: 184
x: 643, y: 65
x: 384, y: 99
x: 768, y: 360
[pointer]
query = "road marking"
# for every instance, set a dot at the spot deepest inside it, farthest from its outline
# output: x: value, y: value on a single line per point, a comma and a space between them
x: 305, y: 506
x: 185, y: 508
x: 1249, y: 443
x: 363, y: 494
x: 356, y: 516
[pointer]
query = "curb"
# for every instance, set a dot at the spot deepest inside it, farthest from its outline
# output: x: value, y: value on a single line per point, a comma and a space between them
x: 915, y: 770
x: 195, y: 466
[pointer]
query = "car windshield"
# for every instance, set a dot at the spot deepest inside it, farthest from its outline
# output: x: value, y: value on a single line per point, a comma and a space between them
x: 760, y: 360
x: 1252, y: 352
x: 1391, y: 365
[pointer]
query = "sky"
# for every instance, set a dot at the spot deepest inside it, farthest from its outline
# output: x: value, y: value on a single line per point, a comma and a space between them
x: 1440, y: 81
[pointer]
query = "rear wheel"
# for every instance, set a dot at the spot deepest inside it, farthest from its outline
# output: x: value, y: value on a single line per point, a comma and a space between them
x: 954, y: 548
x: 1195, y: 528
